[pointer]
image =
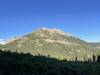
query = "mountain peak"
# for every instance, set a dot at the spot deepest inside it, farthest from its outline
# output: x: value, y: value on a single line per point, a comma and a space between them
x: 55, y: 30
x: 53, y: 42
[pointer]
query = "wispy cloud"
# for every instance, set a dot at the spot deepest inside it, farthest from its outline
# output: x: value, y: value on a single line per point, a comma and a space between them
x: 2, y: 41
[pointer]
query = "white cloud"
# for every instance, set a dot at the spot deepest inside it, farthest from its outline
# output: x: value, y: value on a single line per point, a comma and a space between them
x: 2, y: 41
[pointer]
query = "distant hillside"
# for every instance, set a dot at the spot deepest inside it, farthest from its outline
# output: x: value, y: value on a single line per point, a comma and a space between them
x: 55, y: 43
x: 1, y: 46
x: 97, y: 45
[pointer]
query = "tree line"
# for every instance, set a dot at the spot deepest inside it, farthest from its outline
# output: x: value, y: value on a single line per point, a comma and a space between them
x: 13, y: 63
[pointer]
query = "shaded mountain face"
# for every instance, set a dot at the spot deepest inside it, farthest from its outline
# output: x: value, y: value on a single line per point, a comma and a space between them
x: 53, y: 43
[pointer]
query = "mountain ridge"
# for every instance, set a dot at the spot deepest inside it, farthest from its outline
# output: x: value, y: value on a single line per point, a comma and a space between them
x: 55, y: 43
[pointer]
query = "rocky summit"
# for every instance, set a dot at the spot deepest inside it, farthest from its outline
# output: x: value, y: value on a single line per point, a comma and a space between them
x: 54, y: 43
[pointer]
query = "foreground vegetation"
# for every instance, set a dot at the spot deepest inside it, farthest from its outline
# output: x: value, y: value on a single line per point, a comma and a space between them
x: 26, y: 64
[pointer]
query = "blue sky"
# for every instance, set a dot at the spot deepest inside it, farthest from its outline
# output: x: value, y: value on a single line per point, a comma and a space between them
x: 79, y: 17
